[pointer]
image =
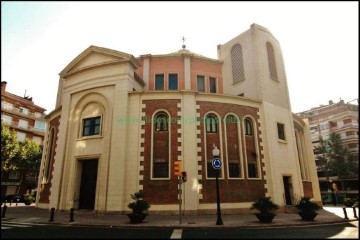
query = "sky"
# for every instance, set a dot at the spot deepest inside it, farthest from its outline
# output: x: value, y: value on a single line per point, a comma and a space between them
x: 319, y: 40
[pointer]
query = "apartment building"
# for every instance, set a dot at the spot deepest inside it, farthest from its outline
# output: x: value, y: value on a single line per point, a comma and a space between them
x: 341, y: 118
x: 28, y: 120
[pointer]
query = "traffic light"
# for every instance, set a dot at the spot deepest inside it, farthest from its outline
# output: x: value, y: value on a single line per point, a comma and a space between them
x: 183, y: 176
x: 177, y: 168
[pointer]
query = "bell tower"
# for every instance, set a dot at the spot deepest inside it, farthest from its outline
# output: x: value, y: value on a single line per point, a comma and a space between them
x: 254, y: 67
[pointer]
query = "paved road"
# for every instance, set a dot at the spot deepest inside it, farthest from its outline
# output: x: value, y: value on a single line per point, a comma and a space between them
x: 41, y: 231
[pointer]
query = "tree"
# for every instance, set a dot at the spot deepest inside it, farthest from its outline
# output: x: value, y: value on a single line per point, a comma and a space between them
x: 29, y: 156
x: 335, y: 159
x: 19, y: 156
x: 9, y: 148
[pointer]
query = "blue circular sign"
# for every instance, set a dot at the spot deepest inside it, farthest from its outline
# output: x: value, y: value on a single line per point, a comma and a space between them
x: 216, y: 163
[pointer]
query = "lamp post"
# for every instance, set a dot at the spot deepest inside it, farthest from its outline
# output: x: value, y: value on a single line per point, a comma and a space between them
x: 217, y: 165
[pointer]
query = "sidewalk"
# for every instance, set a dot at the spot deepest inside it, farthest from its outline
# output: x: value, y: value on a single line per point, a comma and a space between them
x: 30, y: 214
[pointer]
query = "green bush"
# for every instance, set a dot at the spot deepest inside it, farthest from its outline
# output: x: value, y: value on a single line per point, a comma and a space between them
x: 306, y: 204
x: 265, y: 205
x: 139, y: 205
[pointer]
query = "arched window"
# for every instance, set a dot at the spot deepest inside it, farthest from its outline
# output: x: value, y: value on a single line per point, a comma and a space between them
x: 161, y: 122
x: 252, y: 155
x: 211, y: 123
x: 161, y: 146
x: 233, y: 146
x: 248, y: 127
x: 49, y: 155
x: 272, y: 62
x: 237, y: 64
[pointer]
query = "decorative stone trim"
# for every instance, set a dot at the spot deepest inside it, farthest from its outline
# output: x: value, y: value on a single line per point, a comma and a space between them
x: 141, y: 147
x: 199, y: 156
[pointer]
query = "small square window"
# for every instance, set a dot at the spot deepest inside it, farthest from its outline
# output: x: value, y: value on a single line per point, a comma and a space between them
x: 91, y: 126
x: 159, y: 82
x: 201, y: 83
x: 173, y: 82
x: 281, y: 131
x: 212, y: 84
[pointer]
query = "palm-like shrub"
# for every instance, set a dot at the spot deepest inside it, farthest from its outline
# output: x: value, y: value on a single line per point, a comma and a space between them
x: 265, y: 205
x: 306, y: 204
x: 139, y: 205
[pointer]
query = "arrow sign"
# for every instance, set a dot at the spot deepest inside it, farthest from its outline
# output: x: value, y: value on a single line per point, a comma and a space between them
x: 216, y: 163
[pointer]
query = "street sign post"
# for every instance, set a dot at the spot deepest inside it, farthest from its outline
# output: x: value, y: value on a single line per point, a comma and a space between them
x: 216, y: 163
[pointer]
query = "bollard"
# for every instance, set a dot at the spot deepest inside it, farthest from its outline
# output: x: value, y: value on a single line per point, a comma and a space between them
x: 355, y: 216
x: 346, y: 217
x: 3, y: 211
x: 71, y: 215
x: 52, y: 212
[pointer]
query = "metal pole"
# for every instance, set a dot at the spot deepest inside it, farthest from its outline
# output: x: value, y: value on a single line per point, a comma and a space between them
x: 355, y: 216
x: 52, y: 212
x: 346, y: 217
x: 218, y: 220
x: 3, y: 211
x: 71, y: 215
x: 179, y: 182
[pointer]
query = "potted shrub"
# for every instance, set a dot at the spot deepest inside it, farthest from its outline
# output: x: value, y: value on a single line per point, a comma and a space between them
x: 266, y: 208
x: 28, y: 199
x: 307, y: 208
x: 139, y: 207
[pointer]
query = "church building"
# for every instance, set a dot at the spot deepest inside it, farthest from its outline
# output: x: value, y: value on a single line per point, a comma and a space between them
x: 121, y: 122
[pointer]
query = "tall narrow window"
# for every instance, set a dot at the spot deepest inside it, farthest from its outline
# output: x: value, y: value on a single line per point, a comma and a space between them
x: 49, y: 155
x: 237, y: 64
x: 211, y: 123
x: 233, y: 146
x: 212, y: 139
x: 161, y: 122
x: 161, y: 146
x: 251, y: 149
x: 281, y: 131
x: 173, y: 82
x: 159, y: 82
x: 248, y: 127
x: 212, y: 84
x: 91, y: 126
x: 272, y: 62
x: 201, y: 83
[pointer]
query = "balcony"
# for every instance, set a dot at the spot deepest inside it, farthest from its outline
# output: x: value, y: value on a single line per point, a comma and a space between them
x: 20, y: 112
x: 25, y: 128
x: 345, y: 126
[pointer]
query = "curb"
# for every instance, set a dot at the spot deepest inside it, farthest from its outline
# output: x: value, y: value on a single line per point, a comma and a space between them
x: 144, y: 225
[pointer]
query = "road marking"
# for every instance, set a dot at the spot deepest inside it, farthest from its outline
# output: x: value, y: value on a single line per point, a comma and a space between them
x: 9, y: 225
x: 15, y: 225
x: 176, y: 234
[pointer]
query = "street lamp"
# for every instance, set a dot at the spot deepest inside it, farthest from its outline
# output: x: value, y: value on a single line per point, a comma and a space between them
x: 217, y: 166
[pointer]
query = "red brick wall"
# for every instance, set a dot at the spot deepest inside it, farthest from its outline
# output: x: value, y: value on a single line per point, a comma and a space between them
x: 231, y: 190
x: 160, y: 191
x: 172, y: 65
x: 208, y: 69
x: 175, y: 64
x: 45, y: 189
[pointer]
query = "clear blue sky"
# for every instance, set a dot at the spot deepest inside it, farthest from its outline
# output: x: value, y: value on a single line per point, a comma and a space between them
x: 319, y: 40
